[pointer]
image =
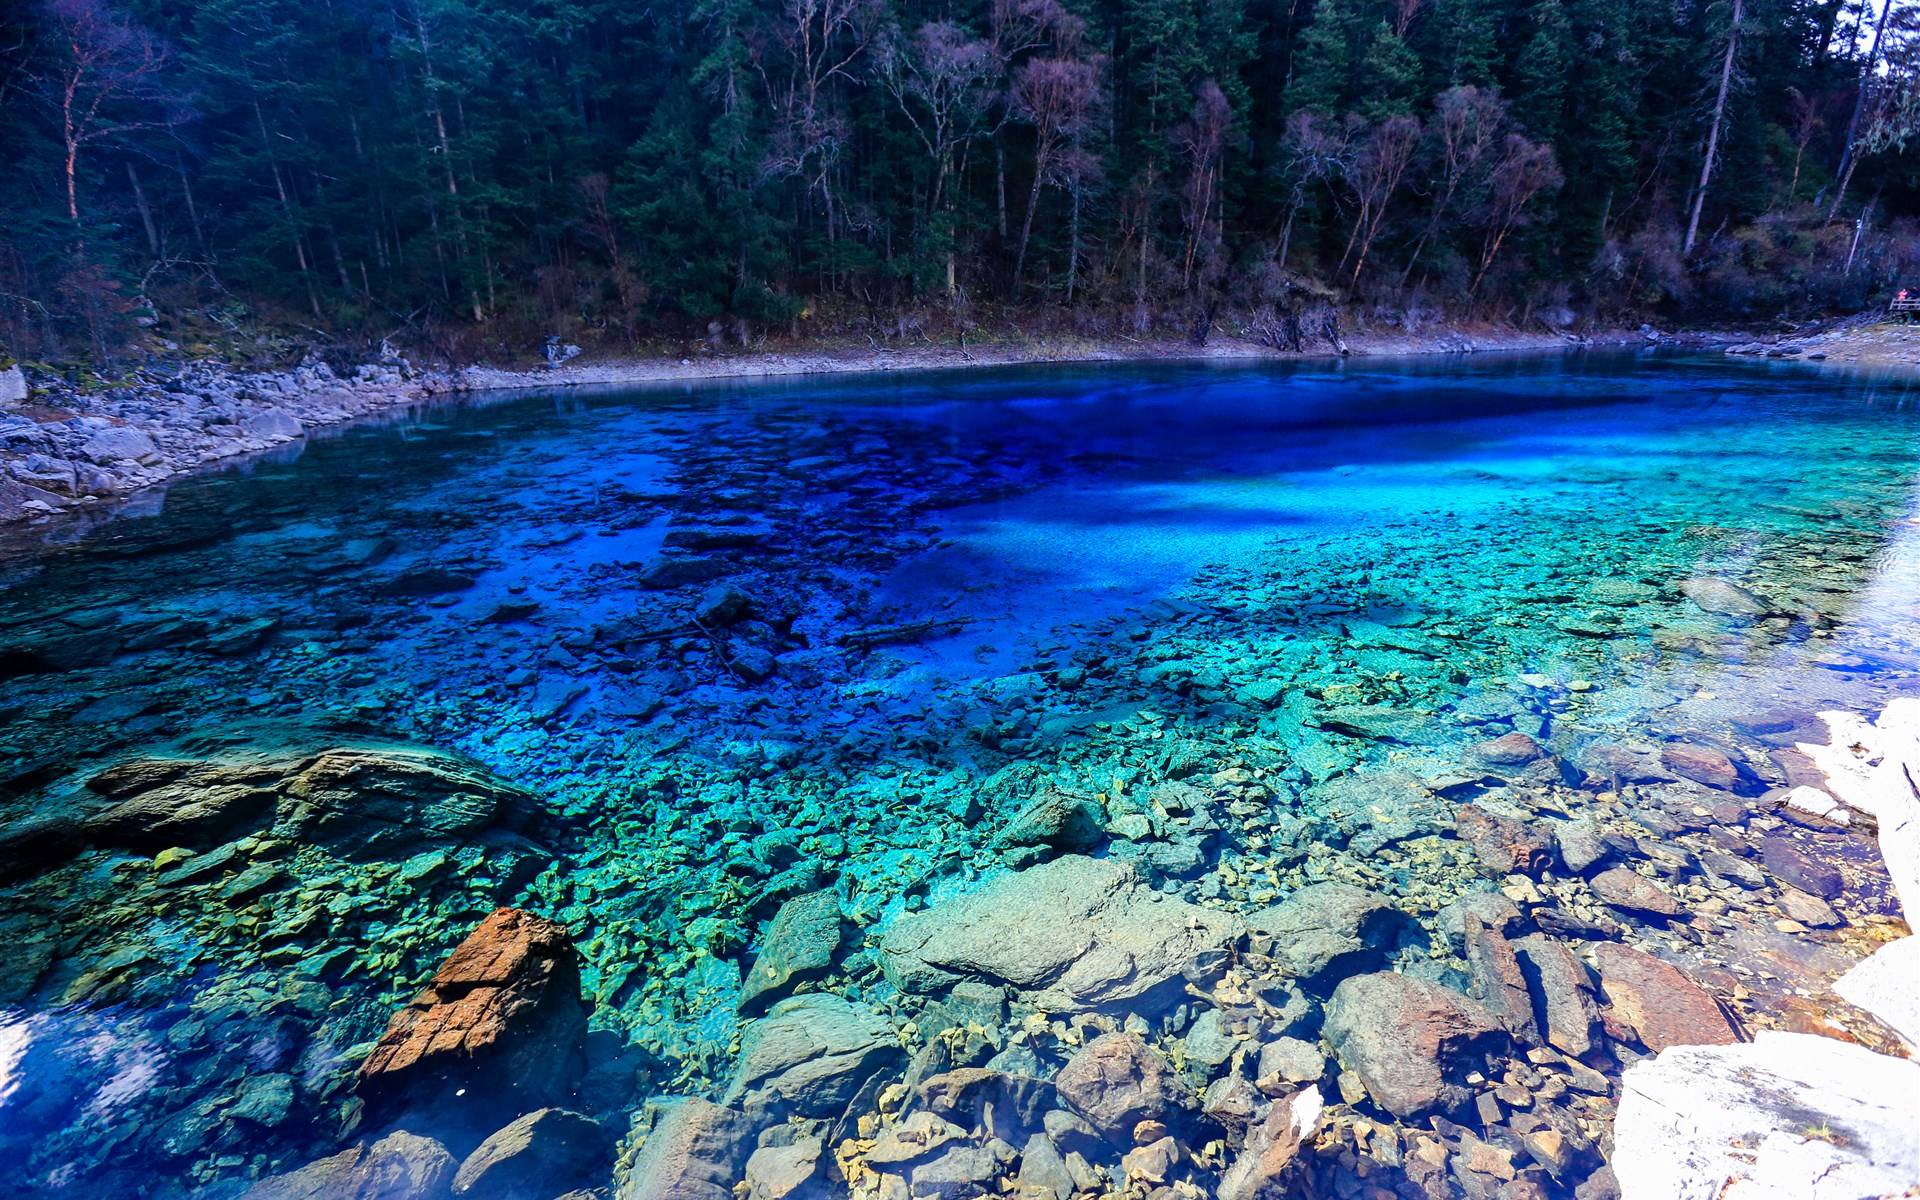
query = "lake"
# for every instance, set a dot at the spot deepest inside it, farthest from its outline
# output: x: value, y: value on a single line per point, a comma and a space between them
x: 741, y: 642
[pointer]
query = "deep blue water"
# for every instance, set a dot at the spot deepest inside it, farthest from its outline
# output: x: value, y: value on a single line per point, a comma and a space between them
x: 1111, y: 570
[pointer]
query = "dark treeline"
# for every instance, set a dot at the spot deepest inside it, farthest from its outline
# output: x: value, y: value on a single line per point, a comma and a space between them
x: 485, y: 171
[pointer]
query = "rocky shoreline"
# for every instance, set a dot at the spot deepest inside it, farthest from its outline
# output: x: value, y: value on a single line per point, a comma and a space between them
x: 65, y: 448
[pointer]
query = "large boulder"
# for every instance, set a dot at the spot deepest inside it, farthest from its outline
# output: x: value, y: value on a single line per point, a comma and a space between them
x: 810, y: 1056
x: 1657, y: 1000
x: 534, y: 1157
x: 1788, y: 1115
x: 1116, y: 1081
x: 695, y: 1151
x: 500, y: 1029
x: 1327, y: 931
x: 399, y: 1165
x: 161, y: 802
x: 1073, y: 934
x: 1412, y: 1043
x: 798, y: 945
x: 376, y: 802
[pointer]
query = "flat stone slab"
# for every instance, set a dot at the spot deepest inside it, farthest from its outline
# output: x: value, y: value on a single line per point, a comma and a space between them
x: 1073, y: 934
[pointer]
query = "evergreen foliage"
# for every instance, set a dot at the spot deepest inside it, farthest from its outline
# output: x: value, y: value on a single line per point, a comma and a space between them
x: 724, y: 167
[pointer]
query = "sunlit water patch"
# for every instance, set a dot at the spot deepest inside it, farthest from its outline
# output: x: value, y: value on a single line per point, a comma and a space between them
x: 949, y: 593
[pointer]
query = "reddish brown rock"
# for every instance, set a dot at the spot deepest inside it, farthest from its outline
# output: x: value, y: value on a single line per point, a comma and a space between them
x: 1116, y: 1081
x: 1792, y: 865
x: 1629, y: 891
x: 1702, y: 764
x: 1504, y: 846
x: 501, y: 1026
x: 1663, y: 1006
x: 1515, y: 749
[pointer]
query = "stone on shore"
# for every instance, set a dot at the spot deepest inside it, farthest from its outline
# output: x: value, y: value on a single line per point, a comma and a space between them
x: 500, y: 1028
x: 1658, y: 1002
x: 1788, y: 1115
x: 1884, y: 985
x: 1072, y: 934
x: 695, y: 1151
x: 1412, y: 1043
x: 400, y: 1164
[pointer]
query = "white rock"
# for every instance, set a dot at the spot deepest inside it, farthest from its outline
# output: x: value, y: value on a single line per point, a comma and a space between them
x: 1789, y: 1115
x: 13, y: 385
x: 1875, y: 767
x: 1887, y: 984
x: 1816, y: 803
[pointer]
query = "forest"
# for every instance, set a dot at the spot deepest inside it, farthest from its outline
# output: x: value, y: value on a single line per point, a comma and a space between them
x: 475, y: 175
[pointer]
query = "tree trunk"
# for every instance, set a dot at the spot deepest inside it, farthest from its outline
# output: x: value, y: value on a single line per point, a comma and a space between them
x: 145, y: 209
x: 1844, y: 173
x: 1026, y: 225
x: 1713, y: 131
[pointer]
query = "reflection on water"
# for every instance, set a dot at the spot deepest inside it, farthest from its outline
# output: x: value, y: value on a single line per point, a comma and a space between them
x: 954, y: 590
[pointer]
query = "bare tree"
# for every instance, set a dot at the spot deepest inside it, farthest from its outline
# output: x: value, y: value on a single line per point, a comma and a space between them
x: 1805, y: 120
x: 1526, y: 169
x: 1058, y: 97
x: 1466, y: 126
x: 1713, y: 130
x: 594, y: 190
x: 103, y: 79
x: 822, y: 39
x: 1317, y: 149
x: 1374, y: 176
x: 1203, y: 139
x: 943, y: 82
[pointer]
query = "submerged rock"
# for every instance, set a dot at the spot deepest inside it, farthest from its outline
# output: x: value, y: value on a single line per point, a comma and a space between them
x: 401, y: 1164
x: 1412, y: 1043
x: 1117, y: 1081
x: 695, y: 1151
x: 1327, y: 931
x: 534, y: 1158
x: 1722, y: 598
x: 799, y: 945
x: 810, y: 1056
x: 501, y: 1027
x: 377, y: 802
x: 1658, y: 1001
x: 1073, y: 934
x: 1629, y: 891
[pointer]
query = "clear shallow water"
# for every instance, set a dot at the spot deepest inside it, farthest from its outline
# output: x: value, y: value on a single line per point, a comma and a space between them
x: 1134, y: 574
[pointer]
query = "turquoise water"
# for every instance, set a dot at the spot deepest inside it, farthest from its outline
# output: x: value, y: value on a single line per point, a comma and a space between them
x: 1092, y: 578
